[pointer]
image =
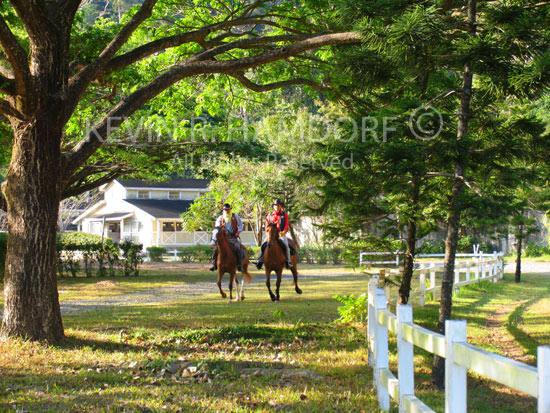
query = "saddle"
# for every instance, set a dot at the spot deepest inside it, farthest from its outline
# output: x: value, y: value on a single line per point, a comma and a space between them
x: 291, y: 246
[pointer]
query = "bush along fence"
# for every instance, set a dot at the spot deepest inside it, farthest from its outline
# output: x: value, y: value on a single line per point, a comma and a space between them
x: 460, y: 357
x: 203, y: 253
x: 79, y: 251
x: 480, y: 267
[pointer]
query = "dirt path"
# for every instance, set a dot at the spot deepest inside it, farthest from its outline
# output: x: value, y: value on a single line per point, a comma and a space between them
x: 161, y: 295
x: 500, y: 336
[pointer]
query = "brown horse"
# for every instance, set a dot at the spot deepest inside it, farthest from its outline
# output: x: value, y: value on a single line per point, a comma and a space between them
x: 227, y: 263
x: 274, y: 260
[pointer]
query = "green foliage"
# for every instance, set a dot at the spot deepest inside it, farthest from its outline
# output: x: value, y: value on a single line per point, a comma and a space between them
x: 195, y: 253
x: 353, y: 309
x: 131, y: 254
x: 534, y: 250
x: 155, y: 253
x: 431, y: 247
x: 466, y: 245
x: 320, y: 255
x: 80, y: 241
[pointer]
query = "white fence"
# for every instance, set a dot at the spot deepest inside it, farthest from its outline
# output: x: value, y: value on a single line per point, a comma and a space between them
x: 393, y: 258
x: 479, y: 267
x: 460, y: 357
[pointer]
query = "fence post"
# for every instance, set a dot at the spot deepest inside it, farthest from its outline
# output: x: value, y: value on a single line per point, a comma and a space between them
x: 405, y: 357
x: 543, y: 367
x: 373, y: 283
x: 422, y: 300
x: 432, y: 281
x: 494, y: 267
x: 469, y: 270
x: 380, y: 349
x: 455, y: 375
x: 457, y: 279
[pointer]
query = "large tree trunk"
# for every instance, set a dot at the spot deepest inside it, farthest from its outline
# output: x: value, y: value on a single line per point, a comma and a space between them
x: 453, y: 221
x: 32, y: 192
x: 31, y: 304
x: 519, y: 245
x: 408, y: 266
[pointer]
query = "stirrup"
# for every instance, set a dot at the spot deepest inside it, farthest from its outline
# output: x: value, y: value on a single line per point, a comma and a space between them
x: 214, y: 267
x: 288, y: 265
x: 259, y: 265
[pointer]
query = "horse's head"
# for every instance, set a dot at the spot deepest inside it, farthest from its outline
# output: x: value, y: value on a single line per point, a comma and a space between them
x: 272, y: 233
x: 220, y: 234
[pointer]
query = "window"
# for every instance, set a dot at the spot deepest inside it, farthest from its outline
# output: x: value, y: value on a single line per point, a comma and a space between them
x: 173, y: 195
x: 114, y: 227
x: 169, y: 226
x: 143, y: 194
x: 132, y: 226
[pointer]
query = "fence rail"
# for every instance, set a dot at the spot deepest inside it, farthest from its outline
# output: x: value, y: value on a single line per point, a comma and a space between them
x: 480, y: 267
x: 460, y: 357
x: 395, y: 256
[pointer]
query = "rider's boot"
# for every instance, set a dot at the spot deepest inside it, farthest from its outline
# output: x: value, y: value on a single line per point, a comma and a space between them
x: 214, y: 266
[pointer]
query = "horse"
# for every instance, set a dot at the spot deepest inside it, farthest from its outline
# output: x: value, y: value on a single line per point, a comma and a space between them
x: 227, y: 263
x: 275, y: 259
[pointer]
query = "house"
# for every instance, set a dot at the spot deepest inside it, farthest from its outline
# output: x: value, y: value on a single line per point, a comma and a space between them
x: 148, y: 213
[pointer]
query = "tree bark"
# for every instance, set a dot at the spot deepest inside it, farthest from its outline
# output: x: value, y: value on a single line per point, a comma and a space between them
x: 32, y: 192
x: 408, y: 266
x: 455, y: 210
x: 519, y: 243
x: 31, y: 304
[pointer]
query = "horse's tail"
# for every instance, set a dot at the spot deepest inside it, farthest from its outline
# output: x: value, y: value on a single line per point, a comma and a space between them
x: 246, y: 276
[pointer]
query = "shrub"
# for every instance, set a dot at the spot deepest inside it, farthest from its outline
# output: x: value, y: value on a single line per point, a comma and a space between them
x: 131, y: 254
x: 155, y: 253
x: 195, y: 253
x: 113, y: 258
x: 534, y: 250
x: 431, y: 247
x: 354, y: 308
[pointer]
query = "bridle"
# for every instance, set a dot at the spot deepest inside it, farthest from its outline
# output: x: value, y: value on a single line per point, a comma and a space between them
x: 273, y: 234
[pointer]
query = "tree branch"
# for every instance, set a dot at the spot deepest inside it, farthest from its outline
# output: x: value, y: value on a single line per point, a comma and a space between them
x: 17, y: 57
x: 79, y: 82
x: 198, y: 36
x: 88, y: 186
x: 277, y: 85
x: 191, y: 67
x: 7, y: 109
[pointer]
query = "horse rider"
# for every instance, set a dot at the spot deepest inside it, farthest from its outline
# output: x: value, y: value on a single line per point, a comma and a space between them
x: 233, y: 227
x: 279, y: 217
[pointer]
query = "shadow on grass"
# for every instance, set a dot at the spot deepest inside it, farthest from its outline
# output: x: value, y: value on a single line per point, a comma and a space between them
x: 512, y: 326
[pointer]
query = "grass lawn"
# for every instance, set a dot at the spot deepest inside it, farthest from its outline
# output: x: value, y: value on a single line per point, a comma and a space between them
x: 201, y: 353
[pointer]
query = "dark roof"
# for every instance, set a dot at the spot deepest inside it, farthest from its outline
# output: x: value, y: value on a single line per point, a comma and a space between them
x: 172, y: 183
x: 161, y: 208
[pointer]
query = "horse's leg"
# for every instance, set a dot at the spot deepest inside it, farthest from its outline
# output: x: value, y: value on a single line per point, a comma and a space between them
x: 295, y: 275
x: 242, y: 283
x: 237, y: 286
x: 279, y: 274
x: 220, y: 276
x: 268, y: 283
x: 231, y: 280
